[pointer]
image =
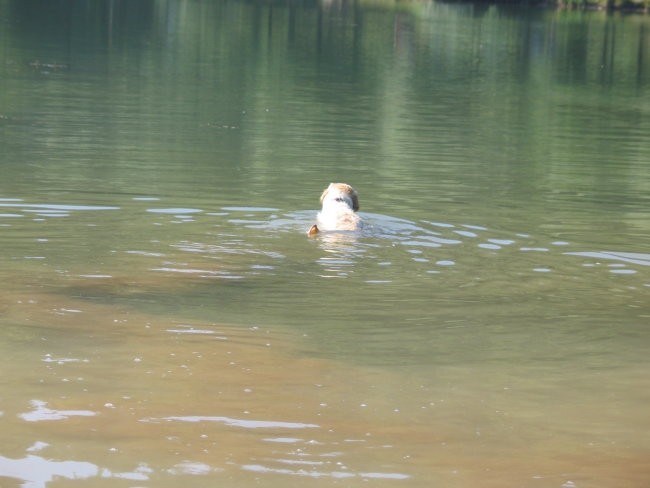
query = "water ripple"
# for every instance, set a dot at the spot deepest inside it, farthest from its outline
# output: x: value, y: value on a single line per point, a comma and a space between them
x: 260, y: 468
x: 174, y: 211
x: 42, y: 413
x: 57, y: 207
x: 626, y: 257
x: 233, y: 422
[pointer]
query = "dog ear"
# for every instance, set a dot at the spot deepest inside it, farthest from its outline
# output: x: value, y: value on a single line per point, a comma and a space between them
x: 355, y: 199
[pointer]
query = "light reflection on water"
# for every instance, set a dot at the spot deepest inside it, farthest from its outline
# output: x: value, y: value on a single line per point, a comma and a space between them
x: 264, y: 245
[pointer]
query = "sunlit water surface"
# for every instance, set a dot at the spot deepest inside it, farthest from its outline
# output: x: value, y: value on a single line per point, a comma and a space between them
x: 165, y: 321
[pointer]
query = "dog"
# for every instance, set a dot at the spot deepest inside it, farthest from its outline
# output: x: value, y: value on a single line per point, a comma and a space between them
x: 340, y: 203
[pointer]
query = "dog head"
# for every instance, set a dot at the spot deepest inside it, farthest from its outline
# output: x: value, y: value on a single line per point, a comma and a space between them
x: 340, y: 194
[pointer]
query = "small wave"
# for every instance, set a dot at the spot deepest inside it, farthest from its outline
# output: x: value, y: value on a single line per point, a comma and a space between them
x: 233, y: 422
x: 626, y: 257
x: 56, y: 207
x: 175, y: 211
x: 42, y: 413
x: 250, y: 209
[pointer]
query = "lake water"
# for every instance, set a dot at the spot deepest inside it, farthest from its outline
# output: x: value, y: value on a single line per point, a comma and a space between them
x: 165, y: 321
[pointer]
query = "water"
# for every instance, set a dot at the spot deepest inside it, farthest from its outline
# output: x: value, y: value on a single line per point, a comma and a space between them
x: 165, y: 319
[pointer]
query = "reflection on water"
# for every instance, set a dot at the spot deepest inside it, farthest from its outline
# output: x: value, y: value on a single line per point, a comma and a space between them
x: 40, y: 412
x: 165, y: 320
x: 37, y: 472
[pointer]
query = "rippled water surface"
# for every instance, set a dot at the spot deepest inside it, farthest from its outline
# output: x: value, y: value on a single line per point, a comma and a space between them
x: 165, y: 320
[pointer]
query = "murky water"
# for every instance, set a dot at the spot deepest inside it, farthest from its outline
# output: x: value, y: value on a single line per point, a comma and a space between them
x: 165, y: 320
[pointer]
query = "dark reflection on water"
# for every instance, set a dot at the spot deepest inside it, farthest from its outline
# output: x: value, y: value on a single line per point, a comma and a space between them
x: 164, y: 317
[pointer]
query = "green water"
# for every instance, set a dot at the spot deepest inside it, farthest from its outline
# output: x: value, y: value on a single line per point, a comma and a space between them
x: 164, y: 318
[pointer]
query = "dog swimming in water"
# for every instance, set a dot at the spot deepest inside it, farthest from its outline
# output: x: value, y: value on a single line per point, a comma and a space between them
x: 340, y: 203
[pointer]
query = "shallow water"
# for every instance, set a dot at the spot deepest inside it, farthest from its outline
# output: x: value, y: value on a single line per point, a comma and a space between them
x: 164, y: 318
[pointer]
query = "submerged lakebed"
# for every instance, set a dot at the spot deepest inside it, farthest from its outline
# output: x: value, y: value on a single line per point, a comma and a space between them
x: 285, y: 391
